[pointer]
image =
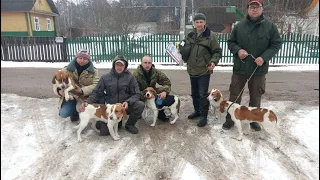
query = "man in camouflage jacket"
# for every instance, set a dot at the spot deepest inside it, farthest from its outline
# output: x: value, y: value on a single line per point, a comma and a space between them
x: 148, y: 76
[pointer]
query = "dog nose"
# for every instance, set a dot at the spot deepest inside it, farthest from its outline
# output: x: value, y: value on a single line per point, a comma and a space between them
x: 63, y: 87
x: 147, y: 95
x: 111, y: 117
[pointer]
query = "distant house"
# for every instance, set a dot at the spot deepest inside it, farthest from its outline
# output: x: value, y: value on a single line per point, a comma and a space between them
x: 221, y: 18
x: 28, y: 18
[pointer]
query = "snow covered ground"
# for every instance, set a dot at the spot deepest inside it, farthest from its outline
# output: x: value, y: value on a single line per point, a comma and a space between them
x: 37, y: 144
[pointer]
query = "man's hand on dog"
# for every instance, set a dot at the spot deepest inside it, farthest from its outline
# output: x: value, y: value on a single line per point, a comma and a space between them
x: 83, y: 106
x: 163, y: 95
x: 77, y: 91
x: 61, y: 92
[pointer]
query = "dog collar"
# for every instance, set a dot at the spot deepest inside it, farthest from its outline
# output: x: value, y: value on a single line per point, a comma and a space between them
x: 230, y: 106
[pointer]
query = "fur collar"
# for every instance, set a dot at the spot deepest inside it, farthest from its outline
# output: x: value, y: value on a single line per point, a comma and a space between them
x: 72, y: 66
x: 206, y: 33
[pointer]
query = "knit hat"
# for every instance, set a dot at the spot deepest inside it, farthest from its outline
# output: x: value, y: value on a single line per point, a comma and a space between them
x: 260, y: 2
x: 84, y: 53
x: 199, y: 16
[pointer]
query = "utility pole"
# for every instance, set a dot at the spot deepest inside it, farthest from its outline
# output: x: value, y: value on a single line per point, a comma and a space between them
x: 182, y: 21
x: 192, y: 8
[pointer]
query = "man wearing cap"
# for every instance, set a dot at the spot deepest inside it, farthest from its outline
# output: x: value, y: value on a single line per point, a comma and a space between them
x: 82, y: 71
x: 119, y: 86
x: 148, y: 76
x: 253, y: 42
x: 204, y: 56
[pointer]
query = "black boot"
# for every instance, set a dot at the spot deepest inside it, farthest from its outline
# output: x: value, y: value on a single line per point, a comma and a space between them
x: 103, y: 127
x: 203, y: 119
x: 196, y: 112
x: 162, y: 116
x: 74, y: 117
x: 228, y: 124
x: 255, y: 126
x: 204, y: 108
x: 130, y: 125
x: 132, y: 129
x: 193, y: 115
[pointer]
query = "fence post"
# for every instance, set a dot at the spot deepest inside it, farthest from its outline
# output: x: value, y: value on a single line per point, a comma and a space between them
x: 64, y: 50
x: 5, y: 49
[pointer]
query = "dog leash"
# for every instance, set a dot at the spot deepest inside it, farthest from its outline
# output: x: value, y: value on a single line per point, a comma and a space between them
x: 245, y: 83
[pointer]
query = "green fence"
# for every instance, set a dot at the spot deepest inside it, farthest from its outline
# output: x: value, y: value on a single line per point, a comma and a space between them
x: 296, y: 49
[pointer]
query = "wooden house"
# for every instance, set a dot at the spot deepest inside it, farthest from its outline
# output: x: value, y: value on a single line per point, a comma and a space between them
x: 28, y: 18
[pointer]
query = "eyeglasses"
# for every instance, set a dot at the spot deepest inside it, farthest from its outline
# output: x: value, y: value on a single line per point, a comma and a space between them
x: 255, y: 7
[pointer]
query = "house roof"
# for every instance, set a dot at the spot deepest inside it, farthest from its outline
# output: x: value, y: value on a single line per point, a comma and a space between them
x: 23, y: 5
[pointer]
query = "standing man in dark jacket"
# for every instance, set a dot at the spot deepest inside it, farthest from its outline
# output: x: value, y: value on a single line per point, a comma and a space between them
x: 253, y: 42
x: 119, y: 86
x: 204, y: 55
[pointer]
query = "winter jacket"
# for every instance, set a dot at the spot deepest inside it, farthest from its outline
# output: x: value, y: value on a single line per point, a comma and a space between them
x: 200, y: 56
x: 156, y: 77
x: 260, y: 38
x: 87, y: 80
x: 116, y: 87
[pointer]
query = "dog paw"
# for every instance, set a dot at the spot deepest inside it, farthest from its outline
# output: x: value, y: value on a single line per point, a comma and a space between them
x: 239, y: 138
x: 79, y: 140
x: 152, y: 125
x: 172, y: 122
x: 246, y: 133
x: 116, y: 138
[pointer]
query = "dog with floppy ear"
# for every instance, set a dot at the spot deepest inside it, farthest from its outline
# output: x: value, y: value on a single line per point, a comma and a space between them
x: 149, y: 96
x: 265, y: 117
x: 111, y: 114
x: 171, y: 107
x: 215, y: 98
x: 62, y: 80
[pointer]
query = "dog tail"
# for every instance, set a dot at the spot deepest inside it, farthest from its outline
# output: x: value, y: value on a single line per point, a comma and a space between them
x: 178, y: 105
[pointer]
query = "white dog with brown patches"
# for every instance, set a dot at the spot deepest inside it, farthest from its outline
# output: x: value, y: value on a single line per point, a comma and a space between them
x: 62, y: 80
x: 149, y: 95
x: 215, y: 98
x: 111, y: 114
x: 265, y: 117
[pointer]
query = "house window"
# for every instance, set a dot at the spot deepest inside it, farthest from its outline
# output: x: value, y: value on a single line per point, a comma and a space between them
x: 49, y: 27
x: 36, y: 24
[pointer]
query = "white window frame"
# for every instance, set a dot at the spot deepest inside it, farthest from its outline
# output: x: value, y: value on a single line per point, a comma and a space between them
x: 36, y: 24
x: 49, y: 26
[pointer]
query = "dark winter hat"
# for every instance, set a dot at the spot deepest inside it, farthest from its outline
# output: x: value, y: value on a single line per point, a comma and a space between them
x: 84, y: 53
x: 199, y: 16
x: 260, y: 2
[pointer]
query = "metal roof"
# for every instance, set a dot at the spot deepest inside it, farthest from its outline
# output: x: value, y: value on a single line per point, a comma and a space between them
x: 23, y: 5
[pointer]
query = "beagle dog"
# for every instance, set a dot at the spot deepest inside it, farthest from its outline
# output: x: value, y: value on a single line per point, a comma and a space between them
x: 265, y: 117
x: 62, y: 80
x: 215, y: 98
x: 111, y: 114
x: 170, y: 109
